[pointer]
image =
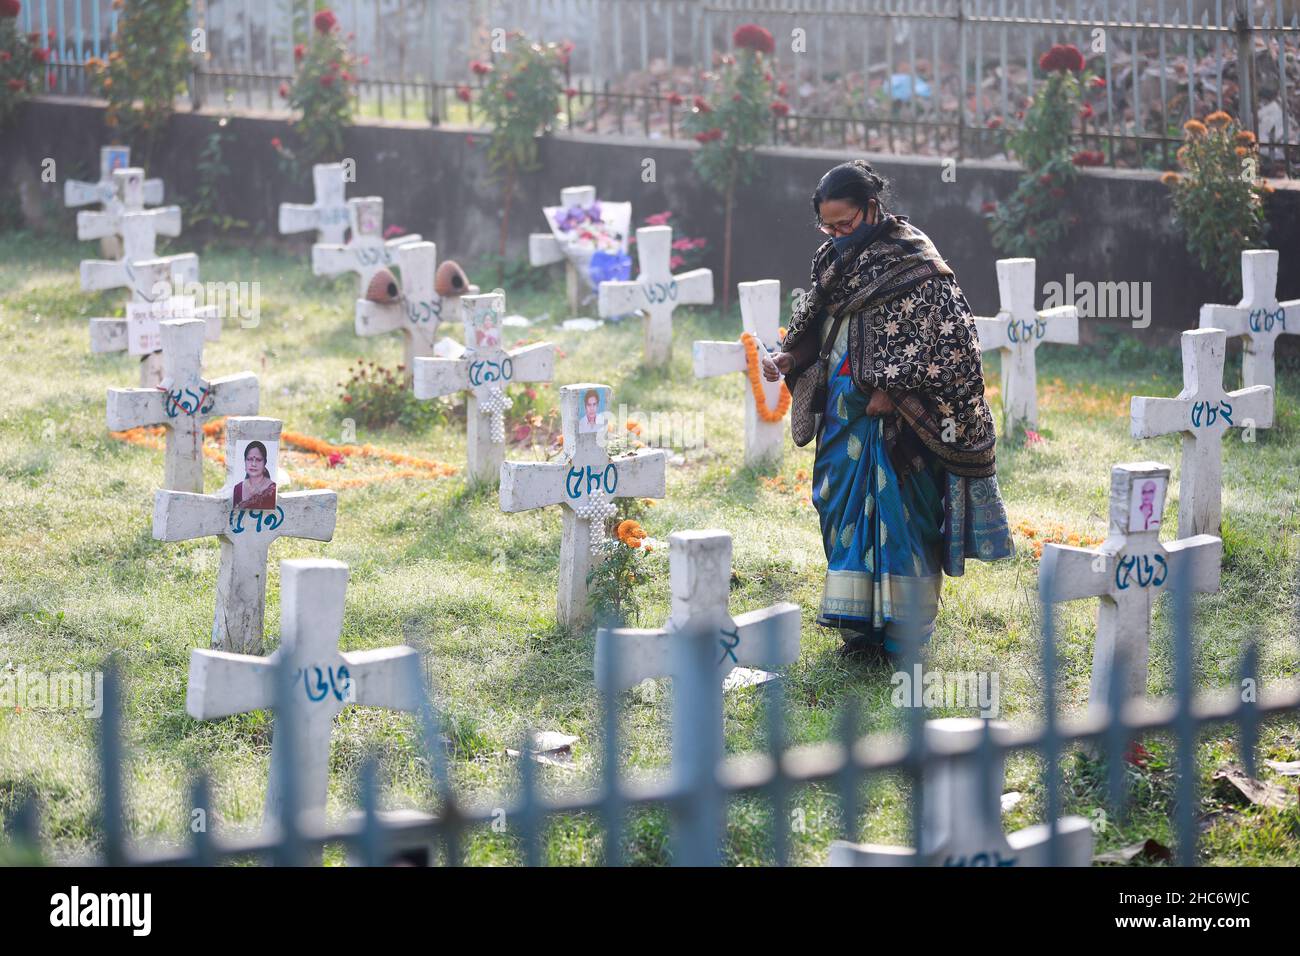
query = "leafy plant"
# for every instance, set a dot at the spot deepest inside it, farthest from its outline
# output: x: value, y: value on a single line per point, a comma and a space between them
x: 205, y: 208
x: 612, y: 581
x: 322, y: 91
x: 1033, y: 219
x: 376, y: 397
x: 519, y: 97
x: 21, y: 60
x: 1219, y: 199
x: 147, y: 68
x: 732, y: 123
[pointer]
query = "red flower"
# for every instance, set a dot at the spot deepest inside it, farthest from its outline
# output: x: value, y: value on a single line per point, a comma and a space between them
x: 702, y: 106
x: 674, y: 99
x: 1032, y: 437
x: 658, y: 219
x: 780, y: 89
x: 14, y: 85
x: 1045, y: 179
x: 510, y: 95
x: 462, y: 93
x: 1086, y: 112
x: 284, y: 90
x: 479, y: 68
x: 327, y: 80
x: 779, y: 108
x: 1098, y: 82
x: 753, y: 37
x: 708, y: 136
x: 1138, y: 755
x: 325, y: 21
x: 394, y: 230
x: 1088, y: 157
x: 41, y: 55
x: 469, y: 139
x: 299, y: 52
x: 994, y: 122
x: 989, y: 207
x: 347, y: 399
x: 10, y: 8
x: 5, y: 56
x: 570, y: 91
x: 1063, y: 58
x: 335, y: 459
x: 275, y: 143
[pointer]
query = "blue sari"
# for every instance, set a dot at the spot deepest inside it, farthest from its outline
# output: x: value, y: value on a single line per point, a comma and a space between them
x: 890, y: 533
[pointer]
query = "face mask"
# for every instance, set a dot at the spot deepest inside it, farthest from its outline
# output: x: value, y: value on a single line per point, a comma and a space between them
x: 843, y: 243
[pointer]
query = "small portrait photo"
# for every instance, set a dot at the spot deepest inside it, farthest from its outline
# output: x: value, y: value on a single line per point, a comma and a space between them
x: 119, y: 158
x: 254, y: 487
x: 593, y: 411
x: 1147, y: 503
x: 370, y: 218
x: 486, y: 325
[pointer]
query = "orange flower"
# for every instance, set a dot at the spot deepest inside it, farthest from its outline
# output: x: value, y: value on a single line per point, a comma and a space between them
x: 634, y: 428
x: 1245, y: 136
x: 1195, y: 127
x: 1241, y: 151
x: 1218, y: 118
x: 756, y: 384
x: 1170, y: 178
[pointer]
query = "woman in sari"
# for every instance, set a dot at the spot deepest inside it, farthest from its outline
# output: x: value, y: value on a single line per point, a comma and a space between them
x: 257, y: 491
x: 904, y: 481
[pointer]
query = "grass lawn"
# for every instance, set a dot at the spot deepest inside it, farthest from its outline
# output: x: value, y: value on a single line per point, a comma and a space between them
x: 438, y: 566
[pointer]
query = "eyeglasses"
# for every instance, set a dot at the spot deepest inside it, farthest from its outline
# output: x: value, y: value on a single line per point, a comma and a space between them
x: 844, y: 227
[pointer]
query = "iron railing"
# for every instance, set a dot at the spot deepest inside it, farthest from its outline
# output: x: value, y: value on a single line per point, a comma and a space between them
x: 697, y: 791
x: 942, y: 77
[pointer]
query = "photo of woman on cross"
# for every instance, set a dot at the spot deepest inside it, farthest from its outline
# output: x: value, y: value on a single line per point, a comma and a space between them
x: 904, y: 480
x: 257, y: 491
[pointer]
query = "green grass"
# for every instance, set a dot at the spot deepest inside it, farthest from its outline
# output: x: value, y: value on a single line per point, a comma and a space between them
x: 439, y: 566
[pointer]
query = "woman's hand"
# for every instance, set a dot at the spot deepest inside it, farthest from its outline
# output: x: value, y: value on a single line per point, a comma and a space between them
x: 879, y: 404
x: 774, y: 366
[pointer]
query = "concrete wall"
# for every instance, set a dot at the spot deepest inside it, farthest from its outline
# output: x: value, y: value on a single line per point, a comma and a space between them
x: 435, y: 182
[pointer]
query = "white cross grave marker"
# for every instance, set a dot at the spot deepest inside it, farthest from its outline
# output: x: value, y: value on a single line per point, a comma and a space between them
x: 140, y: 265
x: 656, y: 292
x: 1202, y: 412
x: 484, y: 371
x: 246, y: 535
x: 760, y: 316
x: 366, y: 251
x: 1128, y: 571
x: 327, y: 213
x: 128, y: 197
x: 140, y: 332
x: 111, y: 159
x: 961, y: 814
x: 566, y: 245
x: 1259, y: 317
x: 419, y: 309
x: 1016, y: 332
x: 585, y: 480
x: 182, y: 403
x: 699, y: 574
x: 324, y: 680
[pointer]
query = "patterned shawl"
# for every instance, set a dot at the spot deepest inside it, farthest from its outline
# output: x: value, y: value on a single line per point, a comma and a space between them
x: 910, y: 333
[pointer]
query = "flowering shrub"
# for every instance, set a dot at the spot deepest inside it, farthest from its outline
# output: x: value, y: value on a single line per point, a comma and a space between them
x: 376, y: 397
x: 1033, y: 218
x: 520, y: 98
x: 731, y: 124
x: 147, y: 68
x: 687, y: 251
x: 612, y: 581
x: 322, y: 91
x: 21, y: 60
x: 1218, y: 199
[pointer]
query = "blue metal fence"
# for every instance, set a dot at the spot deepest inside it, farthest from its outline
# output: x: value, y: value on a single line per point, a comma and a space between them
x: 697, y: 792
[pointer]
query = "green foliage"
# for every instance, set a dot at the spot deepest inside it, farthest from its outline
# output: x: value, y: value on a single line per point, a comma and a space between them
x: 375, y: 397
x: 147, y: 68
x: 519, y: 99
x: 613, y: 580
x: 322, y: 91
x: 21, y: 60
x: 1219, y: 199
x: 1033, y: 219
x: 205, y: 208
x: 732, y: 122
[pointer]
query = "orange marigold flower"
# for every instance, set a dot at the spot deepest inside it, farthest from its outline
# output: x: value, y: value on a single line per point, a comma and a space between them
x: 1195, y: 127
x: 1245, y: 136
x: 1218, y: 118
x: 1170, y: 178
x: 1241, y: 151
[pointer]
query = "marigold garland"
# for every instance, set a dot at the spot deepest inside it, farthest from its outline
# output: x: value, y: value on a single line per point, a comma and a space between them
x: 756, y: 384
x: 153, y: 437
